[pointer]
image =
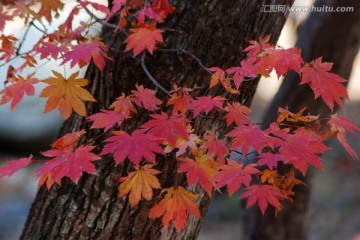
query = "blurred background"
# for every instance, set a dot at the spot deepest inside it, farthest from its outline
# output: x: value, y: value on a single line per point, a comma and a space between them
x: 335, y: 194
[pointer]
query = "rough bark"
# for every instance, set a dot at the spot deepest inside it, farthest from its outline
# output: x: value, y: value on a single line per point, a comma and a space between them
x: 216, y: 32
x: 335, y: 37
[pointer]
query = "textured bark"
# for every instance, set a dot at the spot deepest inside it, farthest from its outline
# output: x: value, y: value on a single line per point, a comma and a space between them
x: 216, y: 32
x: 336, y: 37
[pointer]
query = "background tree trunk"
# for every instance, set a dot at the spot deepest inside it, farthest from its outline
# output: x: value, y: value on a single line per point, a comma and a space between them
x: 335, y: 37
x: 216, y: 32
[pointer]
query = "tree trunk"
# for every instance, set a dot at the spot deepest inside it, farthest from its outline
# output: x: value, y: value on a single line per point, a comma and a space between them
x: 335, y: 37
x: 213, y: 30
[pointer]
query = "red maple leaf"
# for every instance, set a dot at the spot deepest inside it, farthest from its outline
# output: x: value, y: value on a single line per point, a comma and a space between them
x: 52, y: 49
x: 263, y: 195
x: 143, y: 38
x: 150, y: 14
x: 300, y: 147
x: 68, y: 163
x: 325, y: 84
x: 105, y: 119
x: 162, y: 8
x: 167, y: 128
x: 215, y: 146
x: 201, y: 169
x: 145, y: 97
x: 206, y: 104
x: 135, y: 146
x: 81, y: 54
x: 234, y: 174
x: 282, y: 60
x: 18, y: 88
x: 269, y: 159
x: 247, y: 69
x: 96, y: 6
x: 13, y: 166
x: 246, y: 136
x: 237, y: 113
x: 342, y: 124
x: 123, y: 105
x: 339, y: 125
x: 255, y: 48
x: 301, y: 150
x: 116, y: 6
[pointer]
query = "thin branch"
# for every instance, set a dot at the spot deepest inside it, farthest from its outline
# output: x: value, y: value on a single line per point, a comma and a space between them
x: 198, y: 60
x: 235, y: 151
x: 23, y: 38
x: 208, y: 117
x: 100, y: 20
x: 13, y: 58
x: 178, y: 50
x: 155, y: 82
x: 39, y: 29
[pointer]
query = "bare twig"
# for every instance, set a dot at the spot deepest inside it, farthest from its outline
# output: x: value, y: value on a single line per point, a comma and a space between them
x: 23, y: 38
x: 198, y: 60
x: 208, y: 117
x: 180, y: 50
x: 100, y: 20
x: 155, y: 82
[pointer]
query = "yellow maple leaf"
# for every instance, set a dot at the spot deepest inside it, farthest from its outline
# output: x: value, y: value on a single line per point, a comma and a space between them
x: 139, y: 183
x: 67, y: 94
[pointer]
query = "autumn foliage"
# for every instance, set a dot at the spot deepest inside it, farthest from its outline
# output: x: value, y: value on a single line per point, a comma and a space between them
x: 205, y: 158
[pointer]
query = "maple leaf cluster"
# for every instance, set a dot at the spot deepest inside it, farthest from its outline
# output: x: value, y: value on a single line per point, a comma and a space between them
x: 205, y: 158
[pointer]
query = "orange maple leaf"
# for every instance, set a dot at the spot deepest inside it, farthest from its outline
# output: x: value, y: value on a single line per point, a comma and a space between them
x: 141, y: 38
x: 202, y: 170
x: 180, y: 99
x: 67, y: 94
x: 47, y: 7
x: 139, y: 183
x: 7, y: 48
x: 124, y: 105
x: 174, y: 206
x: 48, y: 180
